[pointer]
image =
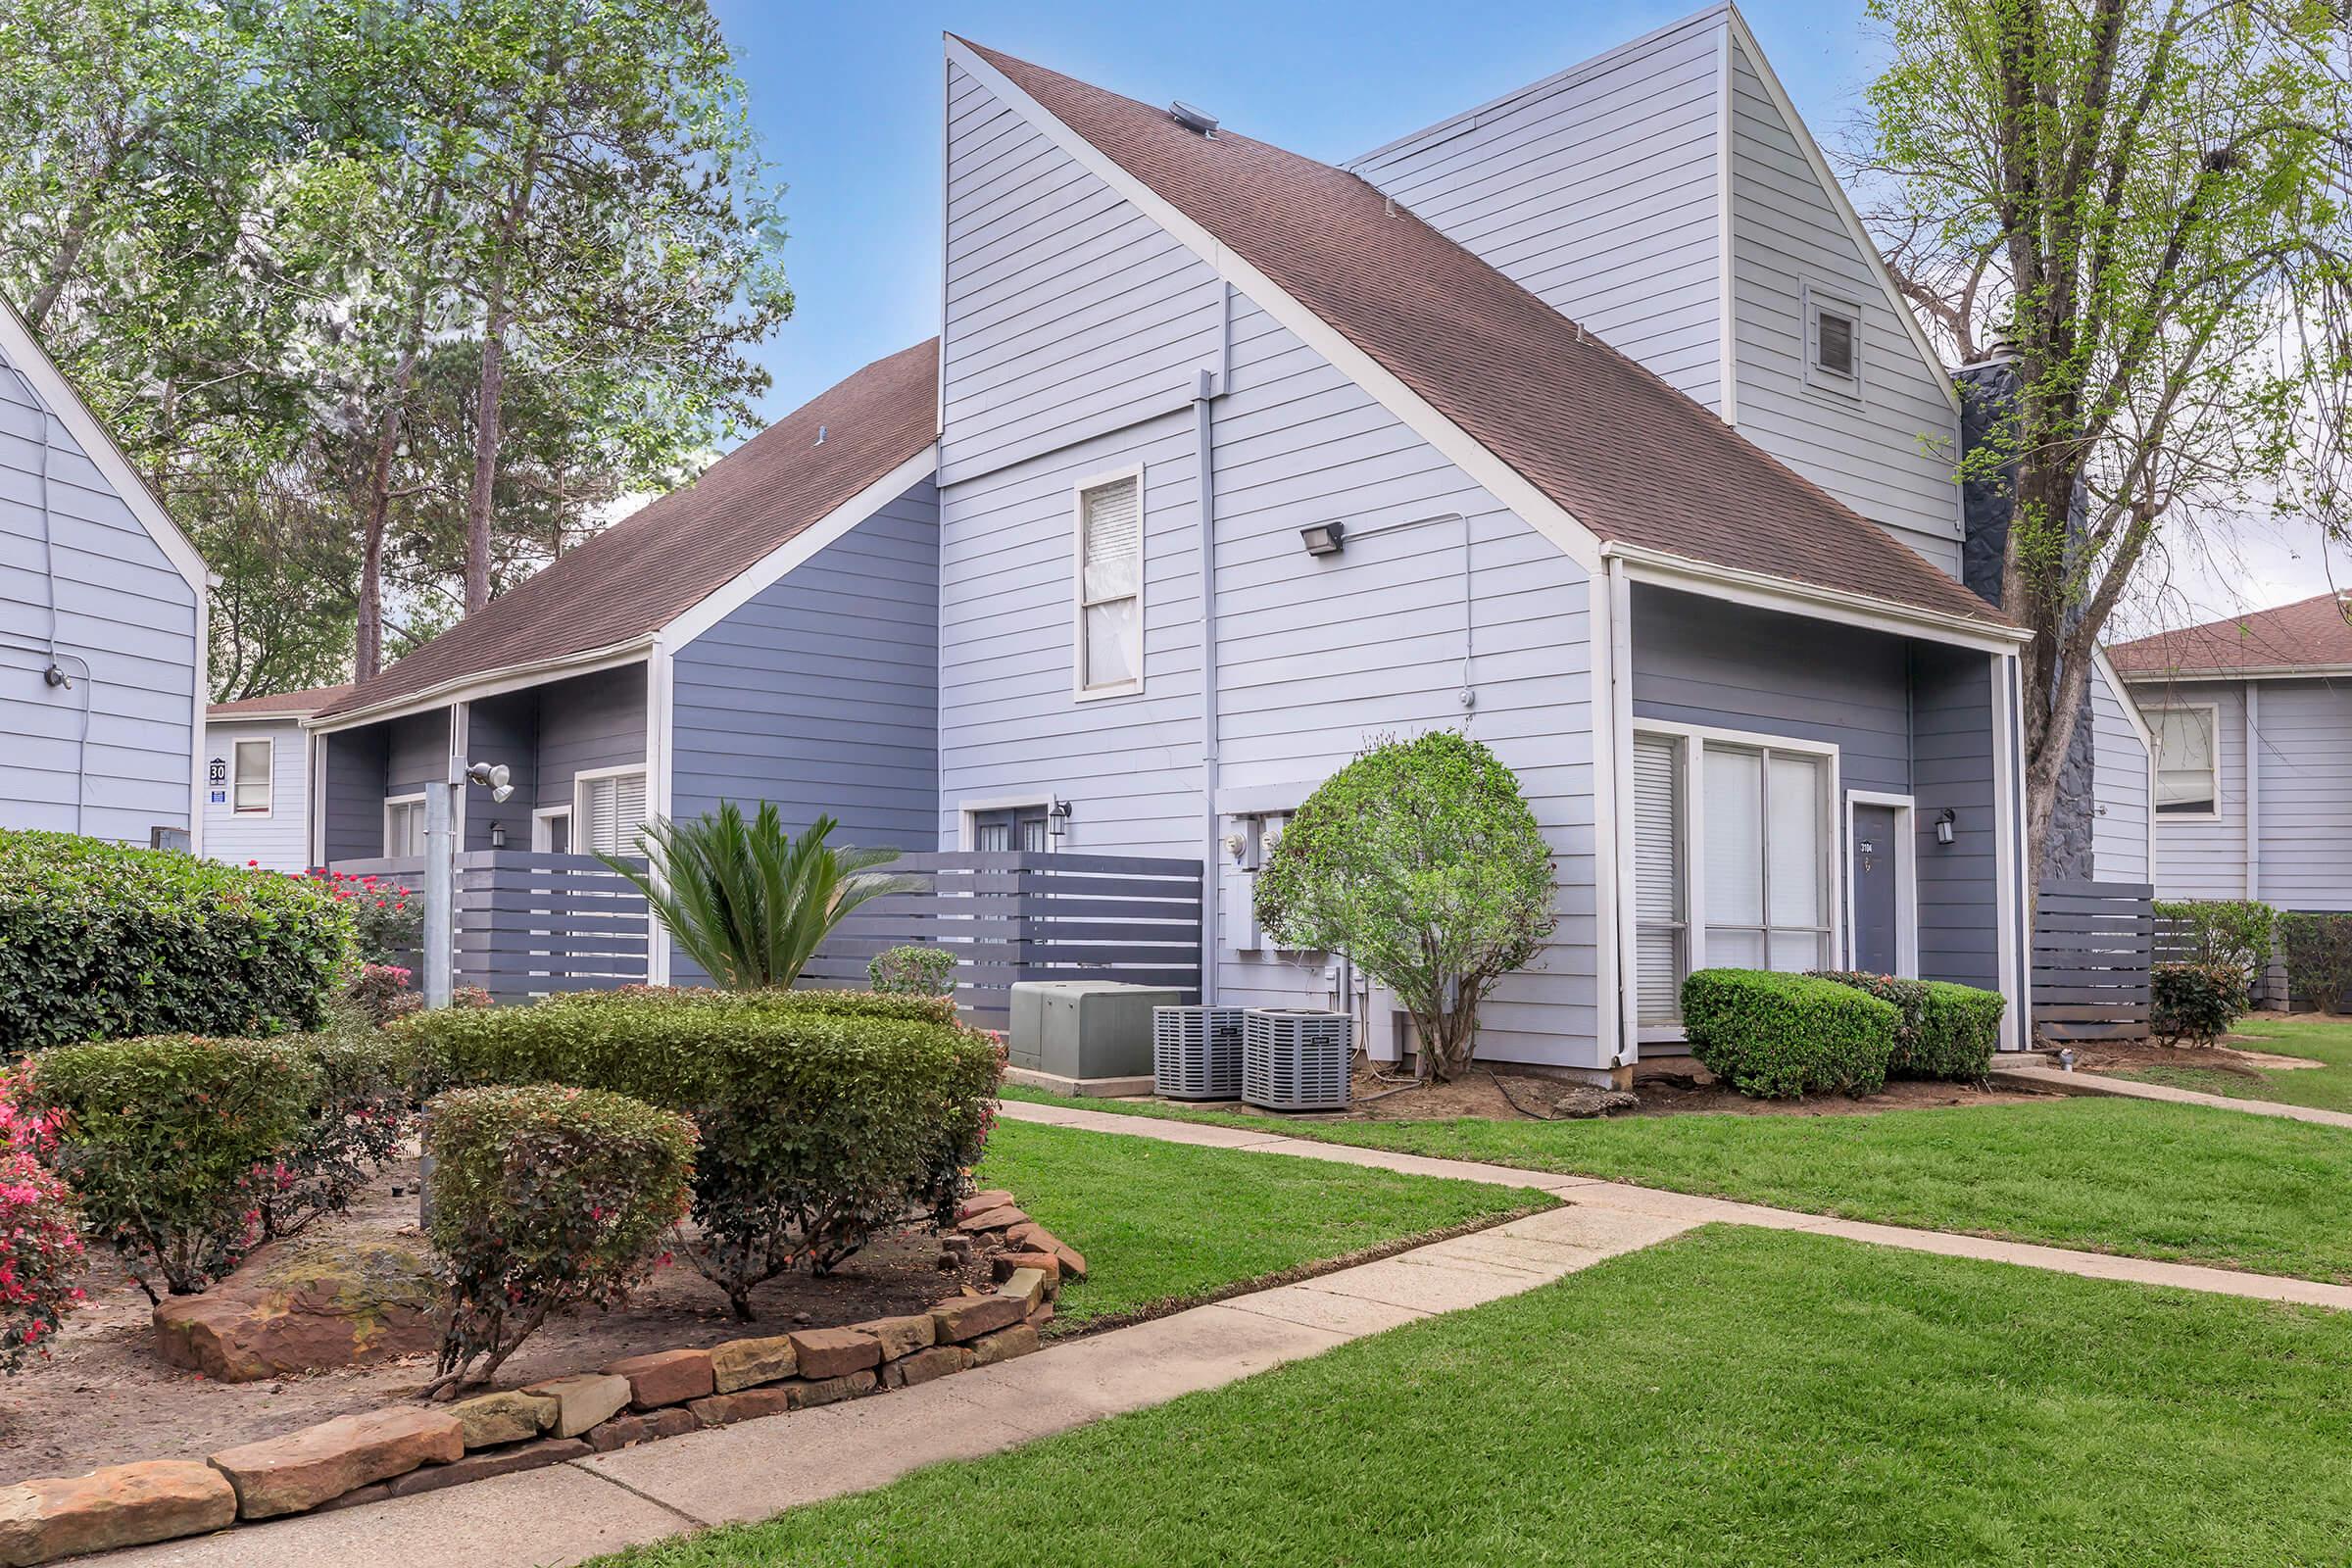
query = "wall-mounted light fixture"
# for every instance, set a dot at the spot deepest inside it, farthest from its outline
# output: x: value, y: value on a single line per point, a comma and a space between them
x: 498, y: 835
x: 1057, y: 818
x: 492, y: 777
x: 1944, y: 825
x: 1323, y: 538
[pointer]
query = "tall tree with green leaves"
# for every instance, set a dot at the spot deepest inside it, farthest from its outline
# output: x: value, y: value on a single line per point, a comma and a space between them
x: 2147, y: 203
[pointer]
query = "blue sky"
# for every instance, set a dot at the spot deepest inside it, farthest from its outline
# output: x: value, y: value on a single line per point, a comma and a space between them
x: 847, y: 100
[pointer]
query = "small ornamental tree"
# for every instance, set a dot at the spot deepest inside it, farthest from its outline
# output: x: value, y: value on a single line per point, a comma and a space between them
x: 1421, y: 862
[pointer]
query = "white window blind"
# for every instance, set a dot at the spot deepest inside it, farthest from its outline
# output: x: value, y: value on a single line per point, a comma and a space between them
x: 1660, y: 934
x: 252, y: 777
x: 614, y: 806
x: 404, y: 829
x: 1110, y: 581
x: 2187, y: 762
x: 1768, y: 859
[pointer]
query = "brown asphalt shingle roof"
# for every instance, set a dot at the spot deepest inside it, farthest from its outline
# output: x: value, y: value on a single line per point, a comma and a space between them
x: 2310, y: 633
x: 1629, y: 457
x: 277, y: 705
x: 647, y: 570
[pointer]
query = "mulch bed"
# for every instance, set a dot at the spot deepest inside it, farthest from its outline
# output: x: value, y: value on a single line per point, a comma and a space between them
x: 104, y: 1397
x: 2129, y: 1056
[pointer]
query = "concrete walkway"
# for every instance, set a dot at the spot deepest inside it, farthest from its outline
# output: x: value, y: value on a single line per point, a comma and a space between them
x: 568, y: 1512
x: 2093, y: 1083
x: 1655, y: 1204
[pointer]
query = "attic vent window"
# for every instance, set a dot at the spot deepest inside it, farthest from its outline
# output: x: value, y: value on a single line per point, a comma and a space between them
x: 1190, y: 119
x: 1836, y: 344
x: 1833, y: 343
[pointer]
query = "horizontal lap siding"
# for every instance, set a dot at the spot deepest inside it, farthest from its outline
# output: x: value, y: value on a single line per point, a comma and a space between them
x: 1595, y: 189
x: 2304, y: 773
x: 1952, y: 770
x: 352, y: 825
x: 2119, y: 832
x: 503, y: 731
x: 821, y: 693
x: 1053, y: 281
x: 1890, y: 455
x: 281, y: 838
x: 589, y: 721
x: 2195, y: 858
x: 121, y: 607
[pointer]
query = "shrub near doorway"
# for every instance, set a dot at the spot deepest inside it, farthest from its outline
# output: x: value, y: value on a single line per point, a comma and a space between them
x: 1785, y: 1036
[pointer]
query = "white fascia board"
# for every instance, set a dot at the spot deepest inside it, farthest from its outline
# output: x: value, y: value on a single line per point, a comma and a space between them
x: 97, y: 444
x: 2125, y: 701
x: 489, y: 683
x: 1764, y: 592
x: 1727, y: 303
x: 1844, y: 206
x: 2171, y: 678
x: 1504, y: 482
x: 771, y: 568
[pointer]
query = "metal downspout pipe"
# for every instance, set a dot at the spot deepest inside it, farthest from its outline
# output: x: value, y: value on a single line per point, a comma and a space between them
x: 1205, y: 390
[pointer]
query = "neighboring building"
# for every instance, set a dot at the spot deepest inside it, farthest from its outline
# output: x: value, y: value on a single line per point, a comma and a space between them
x: 256, y: 789
x: 2253, y: 723
x: 1587, y: 420
x: 102, y: 624
x: 768, y: 632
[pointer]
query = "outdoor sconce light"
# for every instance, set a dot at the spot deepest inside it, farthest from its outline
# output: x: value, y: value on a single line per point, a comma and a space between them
x: 1944, y: 825
x: 1057, y: 818
x: 492, y: 778
x: 1323, y: 538
x: 498, y: 835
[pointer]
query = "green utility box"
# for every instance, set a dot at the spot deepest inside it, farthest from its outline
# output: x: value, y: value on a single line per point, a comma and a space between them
x: 1085, y: 1029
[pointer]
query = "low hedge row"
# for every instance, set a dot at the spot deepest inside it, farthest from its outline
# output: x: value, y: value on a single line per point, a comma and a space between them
x: 101, y: 941
x: 1784, y: 1036
x: 824, y: 1116
x: 2318, y: 952
x: 1946, y: 1031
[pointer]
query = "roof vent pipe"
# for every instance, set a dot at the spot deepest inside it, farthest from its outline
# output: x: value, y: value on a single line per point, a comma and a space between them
x: 1190, y: 119
x: 820, y: 435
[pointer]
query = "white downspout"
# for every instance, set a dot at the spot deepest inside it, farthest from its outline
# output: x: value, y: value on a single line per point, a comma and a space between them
x: 1205, y: 389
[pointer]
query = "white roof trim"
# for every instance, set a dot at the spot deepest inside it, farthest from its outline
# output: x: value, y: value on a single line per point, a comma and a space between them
x: 2124, y: 699
x: 488, y: 683
x: 97, y: 444
x: 1665, y: 570
x: 2160, y: 677
x: 1846, y: 215
x: 771, y: 568
x: 1504, y: 482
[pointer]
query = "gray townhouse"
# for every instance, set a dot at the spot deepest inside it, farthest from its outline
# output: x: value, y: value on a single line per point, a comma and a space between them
x: 1586, y: 421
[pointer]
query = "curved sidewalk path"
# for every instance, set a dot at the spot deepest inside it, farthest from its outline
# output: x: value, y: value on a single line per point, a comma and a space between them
x: 568, y: 1512
x: 2056, y: 1080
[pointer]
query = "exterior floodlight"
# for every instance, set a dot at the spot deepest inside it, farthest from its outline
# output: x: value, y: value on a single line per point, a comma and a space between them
x: 502, y: 793
x: 1323, y: 538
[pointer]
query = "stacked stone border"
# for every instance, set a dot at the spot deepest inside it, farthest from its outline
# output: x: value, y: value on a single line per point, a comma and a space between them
x: 404, y: 1449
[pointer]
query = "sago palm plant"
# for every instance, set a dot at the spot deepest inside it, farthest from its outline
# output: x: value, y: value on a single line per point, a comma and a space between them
x: 747, y: 901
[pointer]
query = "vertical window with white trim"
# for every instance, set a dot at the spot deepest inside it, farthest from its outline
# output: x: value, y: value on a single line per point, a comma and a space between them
x: 610, y: 811
x: 1660, y: 930
x: 1109, y: 631
x: 2188, y: 761
x: 249, y: 782
x: 404, y: 826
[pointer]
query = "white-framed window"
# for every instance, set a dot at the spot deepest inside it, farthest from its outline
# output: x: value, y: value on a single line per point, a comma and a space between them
x: 1107, y: 622
x: 1735, y: 857
x: 1021, y: 822
x: 1833, y: 342
x: 551, y: 830
x: 2188, y: 760
x: 608, y: 808
x: 404, y: 826
x: 253, y: 763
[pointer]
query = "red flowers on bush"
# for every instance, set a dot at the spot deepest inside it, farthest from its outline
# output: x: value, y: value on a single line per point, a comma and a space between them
x: 388, y: 918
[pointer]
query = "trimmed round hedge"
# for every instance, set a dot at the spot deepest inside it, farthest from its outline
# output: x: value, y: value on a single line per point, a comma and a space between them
x: 824, y: 1116
x: 1946, y: 1031
x: 1785, y: 1036
x: 100, y: 941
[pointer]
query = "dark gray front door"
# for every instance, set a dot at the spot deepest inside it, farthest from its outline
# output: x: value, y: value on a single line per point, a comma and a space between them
x: 1876, y: 942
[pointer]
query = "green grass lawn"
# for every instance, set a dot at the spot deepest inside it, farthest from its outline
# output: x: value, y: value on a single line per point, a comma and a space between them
x: 1736, y: 1397
x: 2179, y: 1182
x: 1162, y: 1223
x: 2328, y: 1040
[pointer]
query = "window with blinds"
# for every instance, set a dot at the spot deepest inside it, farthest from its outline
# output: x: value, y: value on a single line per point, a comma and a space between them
x: 1110, y: 586
x: 251, y: 780
x: 609, y: 811
x: 1661, y: 931
x: 2189, y: 774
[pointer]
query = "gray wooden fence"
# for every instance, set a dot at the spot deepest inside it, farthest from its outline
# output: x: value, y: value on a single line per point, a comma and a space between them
x: 1012, y: 915
x: 2093, y: 942
x: 528, y: 924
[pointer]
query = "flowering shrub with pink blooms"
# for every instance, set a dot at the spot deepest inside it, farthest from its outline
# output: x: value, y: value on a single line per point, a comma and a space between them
x: 387, y: 918
x: 40, y: 1247
x: 545, y: 1199
x: 382, y: 993
x: 173, y: 1144
x: 101, y: 941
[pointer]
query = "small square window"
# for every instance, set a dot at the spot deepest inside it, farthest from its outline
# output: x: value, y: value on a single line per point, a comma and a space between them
x: 1834, y: 344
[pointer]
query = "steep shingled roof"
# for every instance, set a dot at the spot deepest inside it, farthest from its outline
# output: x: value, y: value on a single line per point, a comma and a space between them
x: 647, y: 570
x: 1634, y: 460
x: 2308, y: 634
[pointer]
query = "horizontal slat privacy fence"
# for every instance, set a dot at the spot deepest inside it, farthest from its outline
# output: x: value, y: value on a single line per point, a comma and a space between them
x: 2093, y: 942
x: 529, y: 924
x: 1012, y: 915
